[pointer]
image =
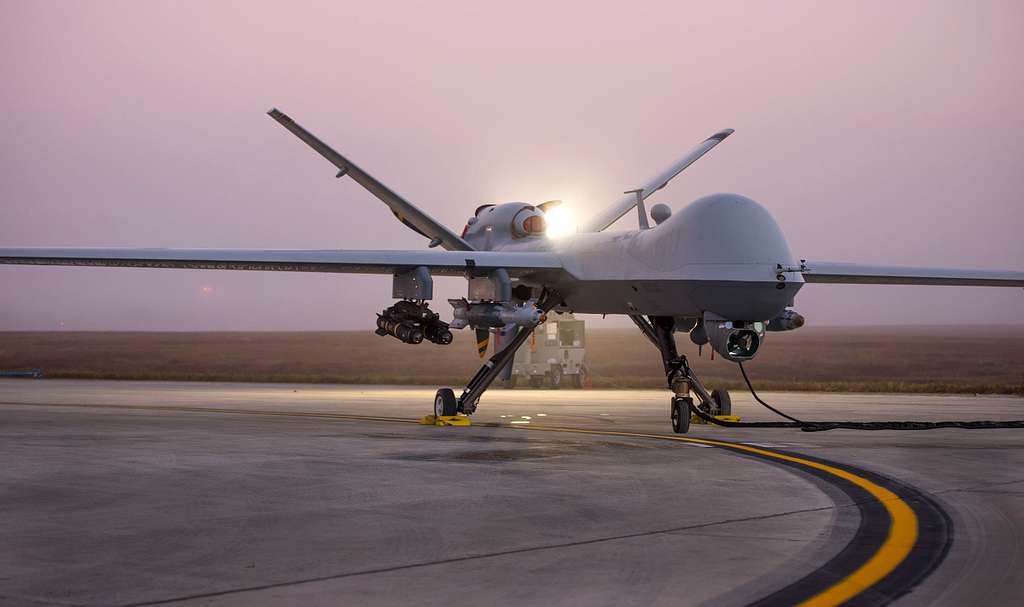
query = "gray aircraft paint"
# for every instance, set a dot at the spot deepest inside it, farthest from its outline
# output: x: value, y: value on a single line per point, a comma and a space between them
x: 720, y: 254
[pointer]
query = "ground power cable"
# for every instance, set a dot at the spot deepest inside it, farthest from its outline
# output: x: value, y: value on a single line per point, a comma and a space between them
x: 816, y: 426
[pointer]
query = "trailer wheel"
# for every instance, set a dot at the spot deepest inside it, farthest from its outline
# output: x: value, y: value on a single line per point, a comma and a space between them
x: 555, y: 377
x: 580, y: 379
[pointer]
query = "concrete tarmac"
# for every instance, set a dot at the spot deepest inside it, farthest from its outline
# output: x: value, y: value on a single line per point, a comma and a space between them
x: 140, y: 493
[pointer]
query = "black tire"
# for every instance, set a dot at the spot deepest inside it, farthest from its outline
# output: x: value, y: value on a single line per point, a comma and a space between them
x: 680, y: 414
x: 555, y: 377
x: 445, y: 403
x: 723, y: 404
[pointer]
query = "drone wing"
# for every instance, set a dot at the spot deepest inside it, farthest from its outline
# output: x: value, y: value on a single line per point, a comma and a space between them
x: 614, y: 212
x: 406, y: 212
x: 443, y: 263
x: 852, y: 273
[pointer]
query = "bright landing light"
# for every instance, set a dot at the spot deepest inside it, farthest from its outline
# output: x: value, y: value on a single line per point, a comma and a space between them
x: 560, y: 222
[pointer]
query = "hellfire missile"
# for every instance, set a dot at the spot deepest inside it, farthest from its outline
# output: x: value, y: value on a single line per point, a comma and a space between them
x: 493, y: 314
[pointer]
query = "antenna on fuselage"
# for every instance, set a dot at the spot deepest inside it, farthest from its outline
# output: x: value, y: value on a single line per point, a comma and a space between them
x: 641, y: 212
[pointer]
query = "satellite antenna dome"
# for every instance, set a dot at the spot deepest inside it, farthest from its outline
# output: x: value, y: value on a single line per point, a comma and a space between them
x: 660, y: 212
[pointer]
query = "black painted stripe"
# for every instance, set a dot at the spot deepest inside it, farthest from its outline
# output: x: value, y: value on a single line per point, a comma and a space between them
x: 935, y: 538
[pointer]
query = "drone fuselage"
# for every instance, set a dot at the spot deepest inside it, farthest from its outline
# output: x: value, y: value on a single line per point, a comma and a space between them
x: 723, y: 254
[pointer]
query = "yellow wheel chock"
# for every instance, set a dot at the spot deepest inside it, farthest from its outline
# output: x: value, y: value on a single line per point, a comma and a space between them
x: 722, y: 418
x: 445, y: 420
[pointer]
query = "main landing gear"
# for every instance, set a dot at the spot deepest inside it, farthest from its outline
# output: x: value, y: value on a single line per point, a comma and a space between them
x: 445, y: 403
x: 681, y: 378
x: 445, y: 399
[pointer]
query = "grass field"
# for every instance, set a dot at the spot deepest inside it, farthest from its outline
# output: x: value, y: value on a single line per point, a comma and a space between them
x: 919, y: 359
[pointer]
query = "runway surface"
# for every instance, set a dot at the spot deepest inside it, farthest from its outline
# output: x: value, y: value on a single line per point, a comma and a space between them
x: 138, y: 493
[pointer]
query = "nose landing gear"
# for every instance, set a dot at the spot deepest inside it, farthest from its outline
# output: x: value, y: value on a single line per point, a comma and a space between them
x: 680, y: 414
x: 680, y: 377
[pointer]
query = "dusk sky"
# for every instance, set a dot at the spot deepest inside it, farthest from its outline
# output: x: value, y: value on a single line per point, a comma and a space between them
x: 875, y: 132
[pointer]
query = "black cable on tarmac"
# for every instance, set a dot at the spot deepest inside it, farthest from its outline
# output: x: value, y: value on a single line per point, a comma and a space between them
x: 807, y: 426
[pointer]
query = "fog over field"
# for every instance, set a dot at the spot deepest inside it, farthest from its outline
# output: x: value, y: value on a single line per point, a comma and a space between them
x: 933, y: 359
x: 875, y: 132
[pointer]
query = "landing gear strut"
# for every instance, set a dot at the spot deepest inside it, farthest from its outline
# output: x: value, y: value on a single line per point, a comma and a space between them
x: 680, y: 377
x: 467, y: 402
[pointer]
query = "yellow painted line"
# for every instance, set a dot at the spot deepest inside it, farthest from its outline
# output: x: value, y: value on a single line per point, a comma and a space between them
x: 902, y: 526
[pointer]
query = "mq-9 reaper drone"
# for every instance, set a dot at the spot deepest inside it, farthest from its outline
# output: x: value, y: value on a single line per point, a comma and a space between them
x: 719, y: 270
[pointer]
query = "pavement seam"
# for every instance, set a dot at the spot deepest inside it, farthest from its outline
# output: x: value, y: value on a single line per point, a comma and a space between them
x: 981, y: 487
x: 44, y: 602
x: 575, y: 544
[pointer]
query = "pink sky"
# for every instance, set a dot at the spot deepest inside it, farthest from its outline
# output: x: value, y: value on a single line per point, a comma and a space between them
x: 876, y: 132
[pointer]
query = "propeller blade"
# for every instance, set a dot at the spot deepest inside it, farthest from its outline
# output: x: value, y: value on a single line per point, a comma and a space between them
x: 483, y: 337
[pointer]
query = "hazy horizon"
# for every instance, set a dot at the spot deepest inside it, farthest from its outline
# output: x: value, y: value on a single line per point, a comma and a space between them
x: 903, y: 328
x: 874, y: 132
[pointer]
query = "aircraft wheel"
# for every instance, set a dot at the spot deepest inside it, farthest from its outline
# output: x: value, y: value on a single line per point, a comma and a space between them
x: 723, y: 404
x: 555, y: 377
x: 445, y: 403
x: 681, y: 414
